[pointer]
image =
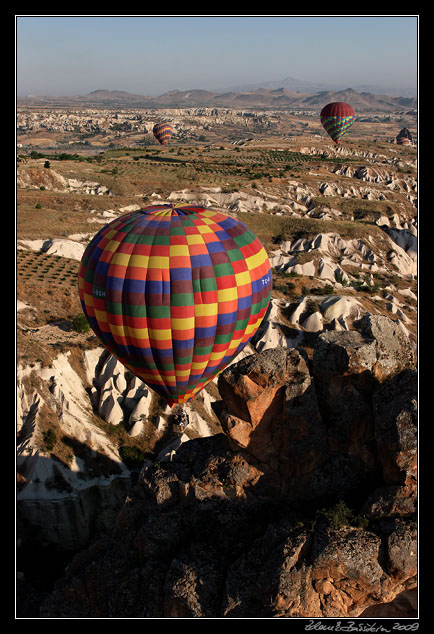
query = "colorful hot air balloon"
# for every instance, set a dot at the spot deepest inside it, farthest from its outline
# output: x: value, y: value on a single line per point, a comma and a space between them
x: 162, y: 132
x: 404, y: 137
x: 337, y: 117
x: 175, y: 292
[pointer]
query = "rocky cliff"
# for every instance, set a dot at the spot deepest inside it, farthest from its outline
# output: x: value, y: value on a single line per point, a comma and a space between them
x: 304, y: 507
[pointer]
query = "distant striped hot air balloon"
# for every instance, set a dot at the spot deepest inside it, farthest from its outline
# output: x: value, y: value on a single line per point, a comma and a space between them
x: 175, y: 292
x: 162, y: 132
x: 336, y: 118
x: 404, y: 137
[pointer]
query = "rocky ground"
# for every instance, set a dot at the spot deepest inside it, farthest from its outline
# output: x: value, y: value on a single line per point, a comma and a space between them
x: 304, y: 507
x: 340, y: 228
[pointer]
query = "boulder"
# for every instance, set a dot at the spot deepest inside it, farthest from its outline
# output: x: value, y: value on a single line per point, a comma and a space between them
x: 394, y: 351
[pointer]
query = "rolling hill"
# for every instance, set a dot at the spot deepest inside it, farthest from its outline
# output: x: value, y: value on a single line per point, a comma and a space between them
x: 259, y: 98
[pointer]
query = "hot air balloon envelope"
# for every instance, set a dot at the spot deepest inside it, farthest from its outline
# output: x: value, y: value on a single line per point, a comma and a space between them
x: 337, y: 117
x: 162, y: 132
x: 175, y: 292
x: 404, y: 137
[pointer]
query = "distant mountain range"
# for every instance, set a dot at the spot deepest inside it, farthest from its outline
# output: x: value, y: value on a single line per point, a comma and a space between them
x: 303, y: 86
x: 260, y: 97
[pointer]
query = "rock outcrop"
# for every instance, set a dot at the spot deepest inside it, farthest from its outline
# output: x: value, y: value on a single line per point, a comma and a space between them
x: 304, y: 507
x: 333, y: 254
x: 313, y: 433
x: 34, y: 178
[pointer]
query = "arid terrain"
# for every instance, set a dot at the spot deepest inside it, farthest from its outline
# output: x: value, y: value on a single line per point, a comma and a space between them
x: 339, y: 225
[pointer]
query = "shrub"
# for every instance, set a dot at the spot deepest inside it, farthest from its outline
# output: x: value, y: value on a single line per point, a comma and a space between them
x: 133, y: 457
x: 80, y: 323
x: 49, y: 437
x: 340, y: 515
x: 340, y: 278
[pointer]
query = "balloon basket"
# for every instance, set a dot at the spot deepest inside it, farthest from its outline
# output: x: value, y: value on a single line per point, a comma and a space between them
x: 179, y: 421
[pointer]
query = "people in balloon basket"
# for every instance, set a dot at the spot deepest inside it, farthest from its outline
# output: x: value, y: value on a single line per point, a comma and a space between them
x: 180, y: 419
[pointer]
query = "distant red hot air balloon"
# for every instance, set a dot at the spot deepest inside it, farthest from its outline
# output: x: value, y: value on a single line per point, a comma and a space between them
x: 162, y: 132
x: 336, y: 118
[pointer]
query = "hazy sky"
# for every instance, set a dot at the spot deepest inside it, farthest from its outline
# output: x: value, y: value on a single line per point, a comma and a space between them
x: 149, y: 55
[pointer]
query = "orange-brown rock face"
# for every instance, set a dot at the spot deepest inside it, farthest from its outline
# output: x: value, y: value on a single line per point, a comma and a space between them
x: 270, y: 411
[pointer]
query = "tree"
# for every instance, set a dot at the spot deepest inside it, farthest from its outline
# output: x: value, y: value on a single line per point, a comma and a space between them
x: 80, y: 324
